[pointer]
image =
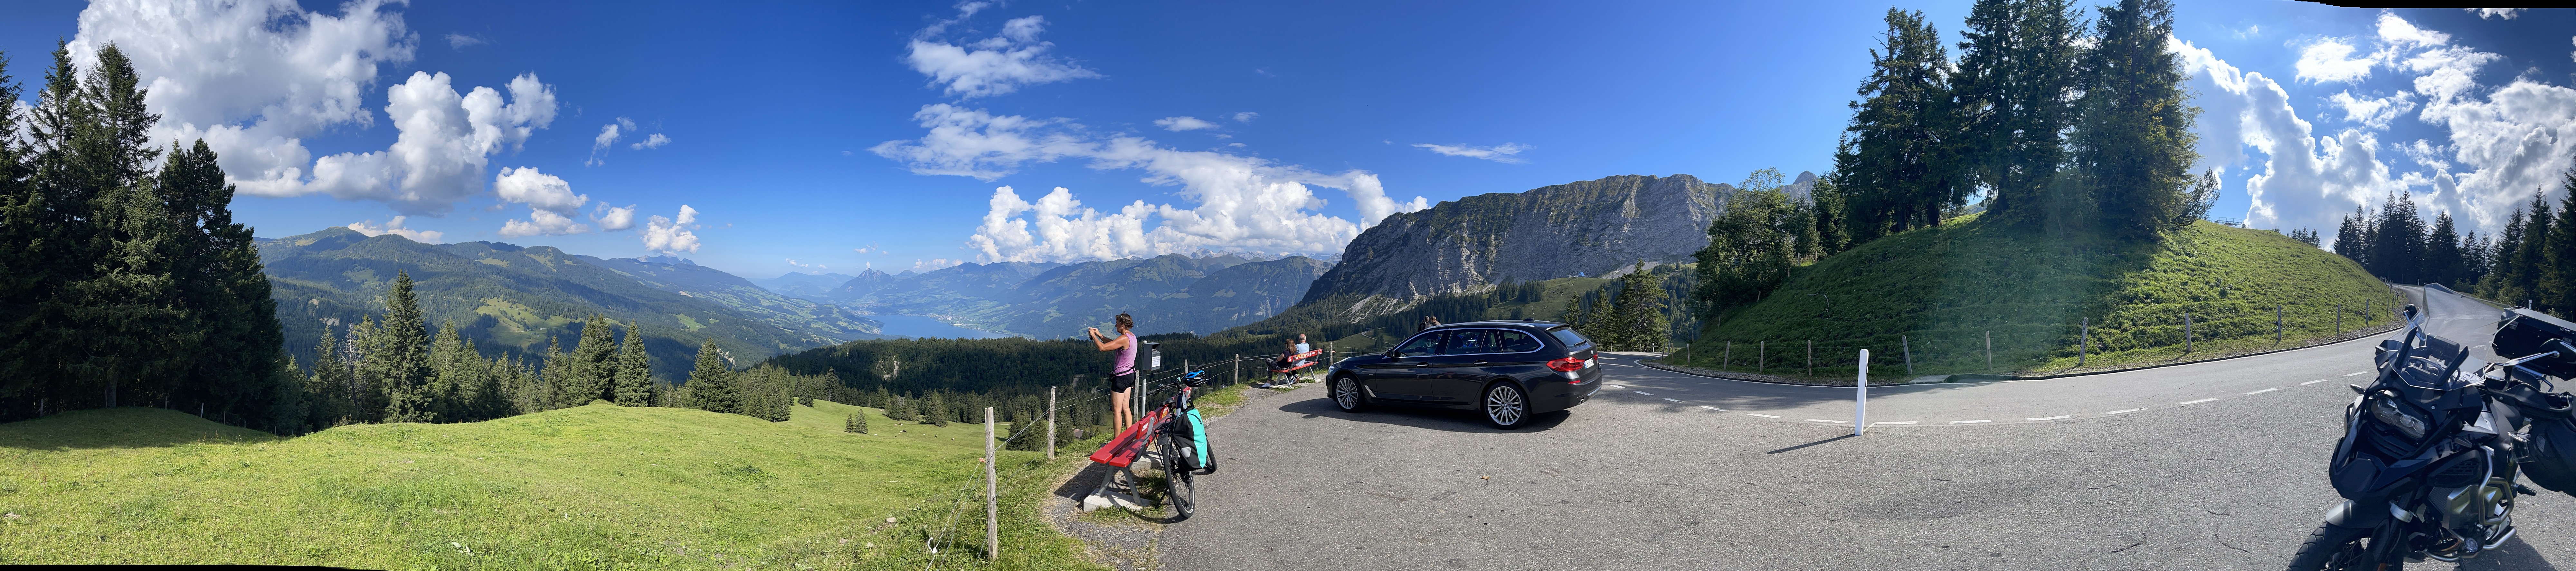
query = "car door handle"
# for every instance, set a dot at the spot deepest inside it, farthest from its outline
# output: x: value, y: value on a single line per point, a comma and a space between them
x: 1422, y: 364
x: 1480, y: 362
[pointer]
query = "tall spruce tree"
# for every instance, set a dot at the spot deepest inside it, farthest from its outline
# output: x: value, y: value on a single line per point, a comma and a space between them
x: 558, y: 368
x: 592, y: 373
x: 2132, y: 139
x: 2015, y: 83
x: 331, y: 388
x: 2444, y: 261
x: 1639, y: 310
x: 404, y: 367
x: 634, y: 372
x: 2557, y: 286
x: 2397, y: 241
x: 711, y: 382
x: 1898, y: 166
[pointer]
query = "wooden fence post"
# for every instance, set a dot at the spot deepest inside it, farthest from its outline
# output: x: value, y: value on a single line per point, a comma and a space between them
x: 1762, y: 356
x: 1908, y: 344
x: 1811, y: 357
x: 1990, y: 350
x: 1050, y: 423
x: 2084, y: 343
x: 992, y: 495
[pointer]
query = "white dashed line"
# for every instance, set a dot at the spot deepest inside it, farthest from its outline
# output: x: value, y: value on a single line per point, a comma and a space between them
x: 2122, y: 411
x: 1712, y: 408
x: 1970, y: 421
x: 2195, y: 401
x: 2262, y: 391
x: 1618, y: 387
x: 1761, y: 415
x: 2312, y: 382
x: 1674, y: 400
x: 2058, y: 417
x: 1643, y: 393
x: 1905, y: 422
x: 1832, y: 421
x: 2360, y: 373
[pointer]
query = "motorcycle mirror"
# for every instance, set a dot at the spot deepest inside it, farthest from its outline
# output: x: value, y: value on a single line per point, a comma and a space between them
x: 2410, y: 311
x: 2356, y: 389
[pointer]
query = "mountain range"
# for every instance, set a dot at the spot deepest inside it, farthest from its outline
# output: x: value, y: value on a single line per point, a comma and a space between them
x: 507, y: 297
x: 1166, y: 294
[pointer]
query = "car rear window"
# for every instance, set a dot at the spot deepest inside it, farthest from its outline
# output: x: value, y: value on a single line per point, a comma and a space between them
x: 1518, y: 342
x: 1567, y: 336
x: 1470, y: 342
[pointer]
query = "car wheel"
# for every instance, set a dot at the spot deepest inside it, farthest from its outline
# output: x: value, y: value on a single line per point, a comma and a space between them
x: 1346, y: 394
x: 1505, y: 406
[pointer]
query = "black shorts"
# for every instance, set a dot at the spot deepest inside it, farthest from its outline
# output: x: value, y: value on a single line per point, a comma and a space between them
x: 1120, y: 383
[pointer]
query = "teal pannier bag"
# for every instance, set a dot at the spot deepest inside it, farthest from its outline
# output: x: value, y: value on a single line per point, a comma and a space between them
x: 1198, y: 434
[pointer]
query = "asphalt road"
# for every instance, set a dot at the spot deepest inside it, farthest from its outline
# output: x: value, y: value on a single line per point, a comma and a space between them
x: 2233, y: 480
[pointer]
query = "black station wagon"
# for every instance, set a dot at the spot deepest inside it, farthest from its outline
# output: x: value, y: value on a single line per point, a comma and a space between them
x: 1508, y: 370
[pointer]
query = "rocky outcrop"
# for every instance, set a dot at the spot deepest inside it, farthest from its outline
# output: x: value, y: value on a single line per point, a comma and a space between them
x: 1597, y: 228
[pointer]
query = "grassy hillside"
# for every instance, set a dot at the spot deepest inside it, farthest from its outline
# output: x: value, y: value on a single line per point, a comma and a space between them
x: 1944, y: 289
x: 588, y: 487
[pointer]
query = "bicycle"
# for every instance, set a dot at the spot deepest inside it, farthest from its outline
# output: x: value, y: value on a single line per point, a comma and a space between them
x: 1172, y: 438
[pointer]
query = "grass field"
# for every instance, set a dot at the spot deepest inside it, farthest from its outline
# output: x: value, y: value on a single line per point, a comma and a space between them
x: 1939, y: 292
x: 598, y: 486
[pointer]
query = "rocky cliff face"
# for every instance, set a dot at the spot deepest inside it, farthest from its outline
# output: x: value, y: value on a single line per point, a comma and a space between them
x: 1597, y: 228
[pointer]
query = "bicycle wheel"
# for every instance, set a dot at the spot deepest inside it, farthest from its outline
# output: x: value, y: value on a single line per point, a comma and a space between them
x: 1177, y: 488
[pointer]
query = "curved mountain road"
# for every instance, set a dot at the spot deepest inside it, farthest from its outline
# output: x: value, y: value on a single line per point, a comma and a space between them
x: 2220, y: 466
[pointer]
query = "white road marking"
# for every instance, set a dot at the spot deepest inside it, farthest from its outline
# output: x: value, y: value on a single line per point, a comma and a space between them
x: 2263, y: 391
x: 1674, y: 400
x: 2196, y: 401
x: 1762, y: 415
x: 1832, y: 421
x: 1643, y: 393
x: 2122, y: 411
x: 1618, y: 387
x: 2312, y: 382
x: 1712, y: 408
x: 2058, y: 417
x: 1891, y: 422
x: 1970, y: 421
x: 2360, y: 373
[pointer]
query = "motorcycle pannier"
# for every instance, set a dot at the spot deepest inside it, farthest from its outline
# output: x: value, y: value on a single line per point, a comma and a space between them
x: 2550, y: 458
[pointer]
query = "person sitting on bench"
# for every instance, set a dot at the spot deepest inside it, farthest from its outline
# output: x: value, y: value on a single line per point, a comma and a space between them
x: 1287, y: 363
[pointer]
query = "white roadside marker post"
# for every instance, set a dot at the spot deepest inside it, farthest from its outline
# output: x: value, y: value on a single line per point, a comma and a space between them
x: 992, y: 495
x: 1860, y: 400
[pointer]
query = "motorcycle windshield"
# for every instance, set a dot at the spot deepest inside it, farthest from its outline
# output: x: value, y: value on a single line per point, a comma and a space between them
x: 2426, y: 363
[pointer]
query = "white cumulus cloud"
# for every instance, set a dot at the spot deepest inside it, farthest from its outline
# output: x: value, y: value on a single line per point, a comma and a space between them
x: 542, y: 222
x: 1499, y: 153
x: 395, y: 227
x: 1183, y: 124
x: 2331, y: 60
x: 537, y: 190
x: 1245, y: 117
x: 611, y: 218
x: 2373, y: 113
x: 1243, y: 204
x: 993, y: 66
x: 2304, y: 180
x: 2506, y: 13
x: 456, y: 41
x: 669, y: 236
x: 935, y: 264
x: 653, y: 141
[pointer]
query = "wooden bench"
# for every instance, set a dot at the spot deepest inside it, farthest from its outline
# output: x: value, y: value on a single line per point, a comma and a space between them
x: 1301, y: 360
x: 1122, y: 450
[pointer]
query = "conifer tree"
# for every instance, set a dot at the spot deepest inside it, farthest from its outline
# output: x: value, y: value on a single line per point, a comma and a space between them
x: 711, y: 383
x: 2558, y: 284
x: 1638, y: 314
x: 404, y: 367
x: 558, y: 369
x: 592, y: 373
x: 934, y: 411
x: 329, y: 388
x: 450, y: 375
x: 2015, y: 83
x: 858, y: 423
x: 634, y: 374
x: 2444, y: 261
x: 2132, y: 138
x: 901, y: 409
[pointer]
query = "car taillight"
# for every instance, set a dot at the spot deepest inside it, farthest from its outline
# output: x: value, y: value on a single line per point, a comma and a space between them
x: 1565, y: 365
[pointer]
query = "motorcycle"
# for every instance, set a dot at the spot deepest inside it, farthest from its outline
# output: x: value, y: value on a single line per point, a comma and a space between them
x: 2433, y: 446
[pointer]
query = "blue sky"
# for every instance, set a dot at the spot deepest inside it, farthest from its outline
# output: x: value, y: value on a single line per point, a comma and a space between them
x: 850, y: 135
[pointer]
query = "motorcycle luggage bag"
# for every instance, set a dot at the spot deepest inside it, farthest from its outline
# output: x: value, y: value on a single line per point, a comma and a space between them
x: 2549, y: 459
x: 2522, y: 333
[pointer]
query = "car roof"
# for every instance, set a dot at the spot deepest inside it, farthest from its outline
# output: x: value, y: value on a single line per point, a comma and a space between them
x: 1529, y: 323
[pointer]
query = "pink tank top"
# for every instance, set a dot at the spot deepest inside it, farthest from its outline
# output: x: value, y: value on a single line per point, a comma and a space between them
x: 1126, y: 357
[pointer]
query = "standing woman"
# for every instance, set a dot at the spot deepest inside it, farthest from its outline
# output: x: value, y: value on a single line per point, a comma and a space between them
x: 1122, y: 373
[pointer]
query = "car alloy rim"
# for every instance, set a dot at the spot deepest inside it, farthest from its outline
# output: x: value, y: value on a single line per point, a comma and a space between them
x: 1346, y: 393
x: 1503, y: 404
